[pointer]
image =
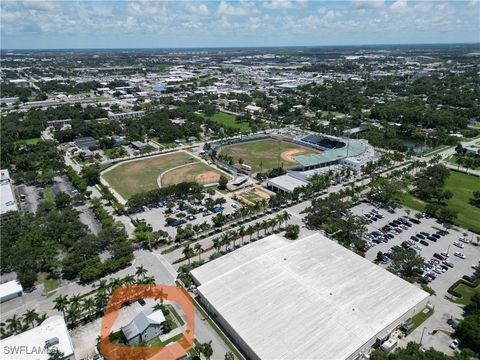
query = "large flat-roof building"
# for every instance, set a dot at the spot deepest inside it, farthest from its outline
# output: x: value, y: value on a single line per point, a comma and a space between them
x: 307, y: 299
x: 7, y: 196
x: 37, y: 343
x: 10, y: 290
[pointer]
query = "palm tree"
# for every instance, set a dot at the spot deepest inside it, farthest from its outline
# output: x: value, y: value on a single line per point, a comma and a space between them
x: 140, y: 272
x: 250, y: 231
x: 73, y: 314
x: 242, y: 232
x: 61, y: 303
x: 30, y: 317
x: 217, y: 245
x: 14, y: 323
x: 187, y: 252
x: 225, y: 240
x: 88, y: 305
x: 198, y: 249
x: 286, y: 216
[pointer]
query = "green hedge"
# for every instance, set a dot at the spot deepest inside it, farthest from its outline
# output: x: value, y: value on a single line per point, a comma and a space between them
x: 451, y: 289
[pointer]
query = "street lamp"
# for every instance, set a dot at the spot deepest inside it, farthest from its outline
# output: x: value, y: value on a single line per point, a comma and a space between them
x: 421, y: 337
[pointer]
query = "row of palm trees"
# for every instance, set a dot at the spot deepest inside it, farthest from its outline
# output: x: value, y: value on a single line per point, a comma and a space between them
x: 18, y: 324
x: 78, y: 308
x: 226, y: 239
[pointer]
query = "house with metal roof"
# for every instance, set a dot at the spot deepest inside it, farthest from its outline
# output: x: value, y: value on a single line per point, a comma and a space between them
x: 144, y: 327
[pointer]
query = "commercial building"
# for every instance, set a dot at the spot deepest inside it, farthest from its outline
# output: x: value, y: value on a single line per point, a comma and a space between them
x: 306, y: 299
x: 10, y: 290
x: 7, y: 196
x: 39, y: 342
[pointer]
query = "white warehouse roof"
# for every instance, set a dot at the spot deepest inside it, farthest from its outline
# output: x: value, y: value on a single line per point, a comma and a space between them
x: 31, y: 344
x: 10, y: 288
x: 307, y: 299
x: 7, y: 202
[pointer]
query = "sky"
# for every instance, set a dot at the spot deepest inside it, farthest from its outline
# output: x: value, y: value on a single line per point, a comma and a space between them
x: 43, y: 24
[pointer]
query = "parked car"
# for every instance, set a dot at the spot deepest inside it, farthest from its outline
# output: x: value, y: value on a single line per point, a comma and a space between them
x: 423, y: 242
x: 454, y: 344
x: 452, y: 323
x: 458, y: 244
x: 460, y: 255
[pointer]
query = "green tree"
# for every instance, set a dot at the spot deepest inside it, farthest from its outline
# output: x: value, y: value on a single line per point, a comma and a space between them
x: 91, y: 174
x: 408, y: 261
x: 468, y: 332
x: 292, y: 232
x: 62, y: 200
x: 222, y: 182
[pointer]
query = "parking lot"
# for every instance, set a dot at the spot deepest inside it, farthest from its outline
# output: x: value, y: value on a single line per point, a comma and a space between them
x: 444, y: 308
x: 157, y: 216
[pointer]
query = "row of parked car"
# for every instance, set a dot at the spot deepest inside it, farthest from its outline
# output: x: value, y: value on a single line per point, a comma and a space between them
x: 373, y: 216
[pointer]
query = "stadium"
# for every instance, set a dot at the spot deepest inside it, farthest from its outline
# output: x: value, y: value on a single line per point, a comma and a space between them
x: 303, y: 156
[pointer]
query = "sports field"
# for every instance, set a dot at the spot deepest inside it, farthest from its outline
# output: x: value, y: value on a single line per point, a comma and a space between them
x: 198, y: 172
x: 229, y: 121
x: 266, y: 154
x: 141, y: 175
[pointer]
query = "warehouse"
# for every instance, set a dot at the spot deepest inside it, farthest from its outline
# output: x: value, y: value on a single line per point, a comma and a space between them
x: 307, y: 299
x: 10, y: 290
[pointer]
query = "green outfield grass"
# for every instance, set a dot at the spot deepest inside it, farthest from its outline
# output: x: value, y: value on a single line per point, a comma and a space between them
x: 229, y: 121
x: 133, y: 177
x: 266, y: 154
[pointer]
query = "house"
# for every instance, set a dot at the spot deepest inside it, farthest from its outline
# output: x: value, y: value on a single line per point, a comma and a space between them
x: 85, y: 142
x: 253, y: 109
x: 144, y: 327
x: 10, y: 290
x: 119, y: 140
x: 139, y: 145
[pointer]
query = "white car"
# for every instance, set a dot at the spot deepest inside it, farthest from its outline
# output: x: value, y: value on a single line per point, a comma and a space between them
x: 458, y: 244
x: 460, y: 255
x: 454, y: 344
x: 462, y: 239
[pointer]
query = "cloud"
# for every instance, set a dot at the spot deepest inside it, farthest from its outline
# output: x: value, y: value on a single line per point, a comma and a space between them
x: 368, y: 4
x: 38, y: 5
x: 284, y: 4
x: 245, y: 8
x: 399, y: 6
x: 199, y: 9
x: 473, y: 3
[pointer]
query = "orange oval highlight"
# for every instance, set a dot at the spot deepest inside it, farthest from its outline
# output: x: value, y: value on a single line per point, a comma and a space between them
x: 172, y: 351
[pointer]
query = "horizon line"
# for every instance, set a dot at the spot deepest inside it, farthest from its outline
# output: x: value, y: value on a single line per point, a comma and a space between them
x: 243, y: 47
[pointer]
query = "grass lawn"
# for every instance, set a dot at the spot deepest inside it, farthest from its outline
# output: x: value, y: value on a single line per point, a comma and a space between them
x: 466, y: 292
x: 32, y: 141
x: 48, y: 194
x: 157, y: 342
x: 229, y: 121
x: 421, y: 317
x: 141, y: 175
x: 115, y: 152
x: 462, y: 186
x: 437, y: 150
x: 412, y: 202
x: 48, y: 283
x: 263, y: 155
x: 199, y: 172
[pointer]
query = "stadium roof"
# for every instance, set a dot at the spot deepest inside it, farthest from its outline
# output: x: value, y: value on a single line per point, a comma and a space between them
x: 355, y: 148
x: 307, y: 299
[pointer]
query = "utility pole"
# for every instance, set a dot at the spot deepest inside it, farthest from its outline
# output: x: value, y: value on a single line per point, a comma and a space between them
x: 421, y: 338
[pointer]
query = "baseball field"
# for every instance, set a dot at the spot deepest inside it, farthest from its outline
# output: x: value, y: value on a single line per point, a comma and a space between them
x: 132, y: 177
x: 266, y: 154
